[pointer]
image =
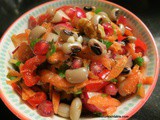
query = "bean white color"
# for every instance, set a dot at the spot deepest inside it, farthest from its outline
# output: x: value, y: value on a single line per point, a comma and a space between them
x: 75, y: 109
x: 52, y: 36
x: 114, y: 14
x: 76, y: 75
x: 64, y: 110
x: 80, y: 39
x: 122, y: 28
x: 96, y: 19
x: 58, y: 16
x: 132, y: 38
x: 71, y: 39
x: 37, y: 32
x: 51, y: 11
x: 67, y: 47
x: 89, y: 15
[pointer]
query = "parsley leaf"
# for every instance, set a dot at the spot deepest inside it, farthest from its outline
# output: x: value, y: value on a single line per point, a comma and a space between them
x: 107, y: 43
x: 52, y: 49
x: 11, y: 77
x: 18, y: 63
x: 78, y: 92
x: 104, y: 95
x: 114, y: 80
x: 98, y: 10
x: 139, y: 61
x: 99, y: 114
x: 139, y: 85
x: 32, y: 44
x: 62, y: 69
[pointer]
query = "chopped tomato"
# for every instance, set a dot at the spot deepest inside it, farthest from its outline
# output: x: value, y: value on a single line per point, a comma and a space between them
x: 104, y: 73
x: 140, y: 46
x: 122, y: 20
x: 94, y: 87
x: 43, y: 18
x: 38, y: 98
x: 108, y: 29
x: 80, y: 13
x: 32, y: 22
x: 41, y: 48
x: 69, y: 11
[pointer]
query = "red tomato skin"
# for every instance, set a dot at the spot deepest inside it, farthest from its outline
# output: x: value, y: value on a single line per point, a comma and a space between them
x: 104, y: 73
x: 68, y: 10
x: 38, y: 98
x: 95, y: 87
x: 43, y: 18
x: 80, y: 13
x: 140, y: 46
x: 41, y: 48
x: 122, y: 20
x: 45, y: 108
x: 32, y: 22
x: 108, y: 29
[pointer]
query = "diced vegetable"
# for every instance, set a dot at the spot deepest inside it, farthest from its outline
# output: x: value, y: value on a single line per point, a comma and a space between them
x: 107, y: 43
x: 46, y: 108
x: 140, y: 46
x: 140, y: 90
x: 148, y: 80
x: 55, y: 101
x: 41, y: 48
x: 32, y: 22
x: 37, y: 99
x: 95, y: 87
x: 139, y: 61
x: 117, y: 69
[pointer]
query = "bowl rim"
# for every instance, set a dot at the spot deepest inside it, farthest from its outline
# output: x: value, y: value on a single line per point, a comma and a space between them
x: 130, y: 113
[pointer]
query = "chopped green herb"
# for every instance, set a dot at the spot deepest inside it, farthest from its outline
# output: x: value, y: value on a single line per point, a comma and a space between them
x: 139, y: 61
x: 104, y: 95
x: 52, y: 49
x: 107, y: 43
x: 11, y: 77
x: 98, y: 10
x: 32, y: 44
x: 18, y: 63
x: 99, y: 114
x: 114, y: 80
x: 61, y: 74
x: 139, y: 85
x: 78, y: 92
x: 61, y: 71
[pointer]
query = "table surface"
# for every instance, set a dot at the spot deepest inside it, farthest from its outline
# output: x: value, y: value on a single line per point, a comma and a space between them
x: 147, y: 10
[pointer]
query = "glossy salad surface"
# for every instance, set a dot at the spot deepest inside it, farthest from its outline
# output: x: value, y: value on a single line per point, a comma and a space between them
x: 71, y: 61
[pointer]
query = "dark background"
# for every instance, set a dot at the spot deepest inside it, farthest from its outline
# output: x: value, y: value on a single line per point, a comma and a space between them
x: 147, y: 10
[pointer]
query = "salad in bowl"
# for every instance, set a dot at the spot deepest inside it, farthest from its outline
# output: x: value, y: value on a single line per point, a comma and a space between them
x: 73, y: 61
